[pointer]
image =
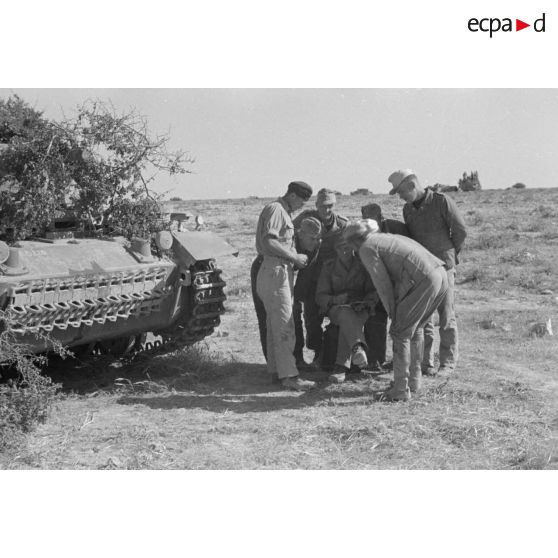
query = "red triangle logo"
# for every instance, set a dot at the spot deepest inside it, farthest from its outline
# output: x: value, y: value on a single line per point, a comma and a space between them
x: 519, y: 25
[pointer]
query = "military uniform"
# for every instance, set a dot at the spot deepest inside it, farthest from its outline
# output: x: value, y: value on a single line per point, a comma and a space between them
x: 412, y: 283
x: 309, y: 276
x: 375, y: 329
x: 274, y: 286
x: 435, y: 222
x: 337, y: 278
x: 299, y: 289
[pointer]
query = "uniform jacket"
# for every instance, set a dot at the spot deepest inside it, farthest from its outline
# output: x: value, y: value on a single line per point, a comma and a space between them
x: 275, y: 220
x: 438, y: 225
x: 395, y: 264
x: 335, y: 279
x: 330, y: 236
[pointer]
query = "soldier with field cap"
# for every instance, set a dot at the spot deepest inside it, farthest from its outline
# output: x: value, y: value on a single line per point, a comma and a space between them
x: 375, y: 328
x: 434, y: 221
x: 274, y: 282
x: 332, y: 227
x: 411, y: 283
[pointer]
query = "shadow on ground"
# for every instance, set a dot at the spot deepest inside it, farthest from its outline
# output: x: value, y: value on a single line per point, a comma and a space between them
x: 252, y: 403
x: 160, y: 375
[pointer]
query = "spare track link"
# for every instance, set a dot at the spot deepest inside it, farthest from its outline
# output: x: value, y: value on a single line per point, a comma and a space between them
x: 206, y: 307
x: 207, y: 302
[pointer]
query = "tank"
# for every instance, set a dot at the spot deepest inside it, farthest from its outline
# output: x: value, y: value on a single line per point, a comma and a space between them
x: 106, y: 294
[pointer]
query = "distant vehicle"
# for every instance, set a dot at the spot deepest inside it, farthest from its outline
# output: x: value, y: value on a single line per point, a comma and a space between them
x: 361, y: 192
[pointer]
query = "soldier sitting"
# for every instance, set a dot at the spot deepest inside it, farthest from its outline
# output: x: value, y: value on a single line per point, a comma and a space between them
x: 346, y: 295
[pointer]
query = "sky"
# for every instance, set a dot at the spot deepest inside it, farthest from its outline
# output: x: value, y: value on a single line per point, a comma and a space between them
x: 253, y: 142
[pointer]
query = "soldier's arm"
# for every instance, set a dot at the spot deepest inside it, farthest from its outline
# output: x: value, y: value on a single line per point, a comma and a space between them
x: 278, y: 249
x: 370, y: 293
x: 455, y: 222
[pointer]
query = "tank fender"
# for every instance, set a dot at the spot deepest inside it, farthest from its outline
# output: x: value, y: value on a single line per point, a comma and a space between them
x: 193, y: 246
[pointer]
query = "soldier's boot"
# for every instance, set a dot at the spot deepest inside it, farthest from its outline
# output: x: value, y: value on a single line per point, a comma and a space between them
x: 401, y: 356
x: 415, y: 372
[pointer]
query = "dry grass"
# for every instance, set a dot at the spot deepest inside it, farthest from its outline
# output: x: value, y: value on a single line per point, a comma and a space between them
x: 212, y: 407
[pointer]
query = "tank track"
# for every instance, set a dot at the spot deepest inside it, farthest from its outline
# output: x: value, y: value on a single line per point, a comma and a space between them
x: 206, y: 304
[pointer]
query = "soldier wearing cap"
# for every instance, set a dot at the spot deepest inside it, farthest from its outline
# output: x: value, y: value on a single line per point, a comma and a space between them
x: 307, y: 241
x: 393, y: 226
x: 332, y: 227
x: 274, y: 282
x: 434, y: 221
x: 375, y: 328
x: 346, y: 295
x: 412, y: 283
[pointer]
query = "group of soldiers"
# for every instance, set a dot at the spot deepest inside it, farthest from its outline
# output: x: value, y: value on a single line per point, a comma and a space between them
x: 358, y: 275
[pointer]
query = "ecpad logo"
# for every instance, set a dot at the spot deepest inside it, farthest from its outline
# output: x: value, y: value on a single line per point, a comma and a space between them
x: 492, y: 25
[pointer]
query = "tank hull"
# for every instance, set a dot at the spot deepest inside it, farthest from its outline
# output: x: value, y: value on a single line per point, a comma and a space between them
x: 82, y: 292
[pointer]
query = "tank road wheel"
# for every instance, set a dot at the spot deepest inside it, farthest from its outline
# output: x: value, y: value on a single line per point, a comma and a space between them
x: 117, y: 347
x: 83, y: 351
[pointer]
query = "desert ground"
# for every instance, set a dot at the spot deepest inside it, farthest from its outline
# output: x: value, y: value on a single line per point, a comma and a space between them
x: 212, y: 406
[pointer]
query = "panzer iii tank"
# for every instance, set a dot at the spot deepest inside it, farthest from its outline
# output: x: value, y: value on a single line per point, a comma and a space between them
x: 105, y: 294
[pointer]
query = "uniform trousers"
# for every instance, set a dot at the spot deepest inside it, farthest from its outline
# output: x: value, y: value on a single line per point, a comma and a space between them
x: 351, y: 331
x: 448, y: 330
x: 274, y: 286
x: 262, y: 317
x: 411, y: 313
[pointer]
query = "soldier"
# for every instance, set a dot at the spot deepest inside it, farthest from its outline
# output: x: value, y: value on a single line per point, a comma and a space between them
x: 307, y: 241
x: 332, y: 227
x: 274, y: 283
x: 434, y: 221
x: 347, y: 296
x: 375, y: 328
x: 393, y: 226
x: 412, y: 283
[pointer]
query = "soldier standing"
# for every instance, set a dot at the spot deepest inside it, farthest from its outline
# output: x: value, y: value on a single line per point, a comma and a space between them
x: 434, y: 221
x: 274, y: 283
x: 307, y: 241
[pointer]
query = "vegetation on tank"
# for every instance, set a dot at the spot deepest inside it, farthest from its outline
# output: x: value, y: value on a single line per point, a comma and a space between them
x: 98, y: 164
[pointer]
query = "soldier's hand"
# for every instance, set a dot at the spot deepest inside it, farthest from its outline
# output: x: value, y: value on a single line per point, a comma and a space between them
x: 300, y: 261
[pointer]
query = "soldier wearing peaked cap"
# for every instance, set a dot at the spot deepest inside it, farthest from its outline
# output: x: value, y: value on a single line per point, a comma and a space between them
x: 274, y: 282
x: 433, y: 220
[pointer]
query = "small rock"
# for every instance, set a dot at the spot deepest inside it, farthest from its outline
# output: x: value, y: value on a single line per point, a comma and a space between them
x: 547, y: 292
x: 487, y: 324
x: 506, y: 327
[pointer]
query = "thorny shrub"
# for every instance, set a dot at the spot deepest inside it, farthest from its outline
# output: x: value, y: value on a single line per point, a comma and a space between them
x: 98, y: 165
x: 27, y: 399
